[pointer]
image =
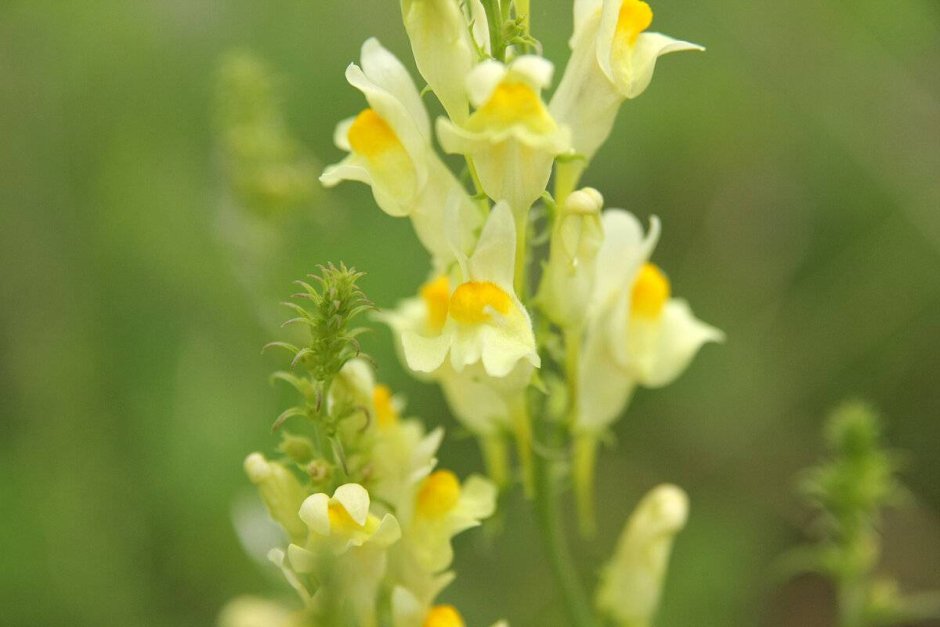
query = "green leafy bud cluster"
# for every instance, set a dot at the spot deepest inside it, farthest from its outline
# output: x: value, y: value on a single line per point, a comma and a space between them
x: 850, y: 491
x: 268, y: 170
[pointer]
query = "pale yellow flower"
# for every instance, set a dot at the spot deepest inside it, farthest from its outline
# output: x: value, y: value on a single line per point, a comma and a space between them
x: 511, y: 136
x: 389, y: 147
x: 637, y: 333
x: 485, y: 322
x: 613, y: 58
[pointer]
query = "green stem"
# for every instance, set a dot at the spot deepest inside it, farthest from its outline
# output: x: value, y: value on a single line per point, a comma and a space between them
x: 567, y: 176
x: 851, y: 602
x: 477, y: 185
x: 522, y: 428
x: 556, y: 544
x: 519, y: 278
x: 494, y: 18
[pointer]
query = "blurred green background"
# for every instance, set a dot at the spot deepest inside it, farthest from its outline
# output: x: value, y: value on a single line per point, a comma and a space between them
x: 796, y: 169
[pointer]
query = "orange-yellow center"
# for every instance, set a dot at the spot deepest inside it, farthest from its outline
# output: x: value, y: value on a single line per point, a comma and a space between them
x: 385, y: 411
x: 436, y: 296
x: 370, y: 135
x: 438, y: 494
x: 473, y: 302
x: 651, y: 290
x: 340, y: 520
x: 513, y: 103
x: 444, y: 616
x: 635, y: 17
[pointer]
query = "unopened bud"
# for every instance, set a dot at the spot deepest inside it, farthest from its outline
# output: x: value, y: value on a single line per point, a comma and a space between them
x: 631, y: 583
x: 280, y: 491
x: 569, y: 274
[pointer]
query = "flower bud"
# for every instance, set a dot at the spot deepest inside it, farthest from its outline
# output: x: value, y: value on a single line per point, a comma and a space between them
x: 280, y: 491
x: 631, y: 583
x: 569, y: 274
x: 443, y: 49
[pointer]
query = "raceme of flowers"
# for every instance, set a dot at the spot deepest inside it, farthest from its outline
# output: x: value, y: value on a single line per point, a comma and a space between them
x: 367, y: 514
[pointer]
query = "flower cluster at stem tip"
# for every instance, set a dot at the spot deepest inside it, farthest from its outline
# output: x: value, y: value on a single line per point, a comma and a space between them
x: 367, y: 516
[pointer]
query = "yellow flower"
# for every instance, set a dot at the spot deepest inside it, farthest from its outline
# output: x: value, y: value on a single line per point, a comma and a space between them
x: 485, y: 323
x: 613, y: 58
x: 442, y: 508
x: 511, y: 136
x: 389, y: 146
x: 637, y: 333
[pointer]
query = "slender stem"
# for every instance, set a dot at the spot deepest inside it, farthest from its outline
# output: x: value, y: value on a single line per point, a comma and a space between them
x: 494, y: 18
x: 851, y: 602
x: 522, y: 228
x: 477, y: 184
x: 522, y: 428
x: 567, y: 176
x: 556, y: 544
x: 572, y: 362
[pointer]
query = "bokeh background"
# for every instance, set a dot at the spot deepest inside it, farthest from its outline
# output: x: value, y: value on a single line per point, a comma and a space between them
x: 795, y: 167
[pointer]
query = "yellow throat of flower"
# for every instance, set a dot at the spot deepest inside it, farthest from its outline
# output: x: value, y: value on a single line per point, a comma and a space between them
x: 444, y: 616
x: 438, y: 495
x: 436, y: 297
x: 370, y: 135
x: 340, y: 520
x: 635, y: 17
x: 651, y: 290
x: 385, y: 412
x: 475, y: 301
x: 512, y: 103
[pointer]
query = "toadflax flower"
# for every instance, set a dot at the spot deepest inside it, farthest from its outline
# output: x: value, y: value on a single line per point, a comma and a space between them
x: 478, y: 401
x: 483, y: 321
x: 441, y: 507
x: 445, y: 47
x: 612, y: 60
x: 389, y: 147
x: 636, y: 334
x: 511, y: 137
x: 631, y: 583
x: 345, y: 553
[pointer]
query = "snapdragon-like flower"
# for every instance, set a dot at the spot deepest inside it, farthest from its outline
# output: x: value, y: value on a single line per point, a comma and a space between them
x: 445, y: 47
x: 441, y: 509
x: 478, y: 401
x: 483, y: 321
x: 613, y: 58
x: 569, y: 274
x: 511, y: 136
x: 631, y: 584
x: 389, y: 147
x: 345, y: 553
x: 637, y: 334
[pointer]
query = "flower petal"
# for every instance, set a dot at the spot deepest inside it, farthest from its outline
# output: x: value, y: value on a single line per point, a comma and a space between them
x: 315, y: 513
x: 494, y: 259
x: 680, y: 338
x: 355, y: 500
